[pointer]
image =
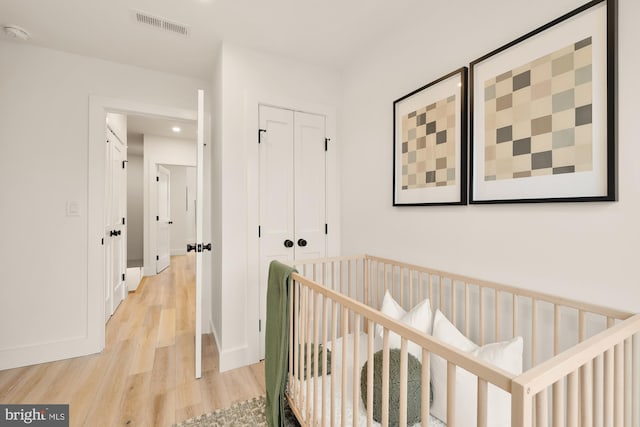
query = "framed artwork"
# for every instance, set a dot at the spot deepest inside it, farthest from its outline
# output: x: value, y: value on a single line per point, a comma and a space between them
x: 543, y: 113
x: 430, y: 143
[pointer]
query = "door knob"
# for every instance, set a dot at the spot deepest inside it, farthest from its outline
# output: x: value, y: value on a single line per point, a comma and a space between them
x: 302, y: 243
x: 118, y: 232
x: 191, y: 247
x: 207, y: 247
x: 288, y: 243
x: 113, y: 233
x: 170, y: 222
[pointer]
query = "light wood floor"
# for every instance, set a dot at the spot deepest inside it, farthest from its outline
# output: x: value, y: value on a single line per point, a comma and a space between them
x: 145, y: 375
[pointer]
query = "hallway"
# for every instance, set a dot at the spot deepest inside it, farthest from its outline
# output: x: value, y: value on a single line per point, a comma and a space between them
x: 145, y: 375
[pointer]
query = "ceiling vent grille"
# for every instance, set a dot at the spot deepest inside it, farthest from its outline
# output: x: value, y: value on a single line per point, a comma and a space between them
x: 160, y: 23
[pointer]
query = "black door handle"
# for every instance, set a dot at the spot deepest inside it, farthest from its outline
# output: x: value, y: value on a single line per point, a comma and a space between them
x: 207, y: 247
x: 119, y: 232
x: 170, y: 222
x: 288, y: 243
x: 115, y: 233
x: 302, y: 243
x: 191, y: 247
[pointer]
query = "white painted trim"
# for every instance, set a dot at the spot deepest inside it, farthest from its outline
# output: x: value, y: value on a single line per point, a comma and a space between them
x: 234, y: 358
x: 16, y: 357
x: 251, y: 103
x: 98, y: 108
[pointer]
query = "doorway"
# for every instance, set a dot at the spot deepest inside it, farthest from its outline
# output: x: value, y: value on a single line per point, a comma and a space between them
x: 98, y: 108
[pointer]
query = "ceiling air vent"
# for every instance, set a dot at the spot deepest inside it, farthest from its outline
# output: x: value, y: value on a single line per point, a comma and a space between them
x: 160, y: 23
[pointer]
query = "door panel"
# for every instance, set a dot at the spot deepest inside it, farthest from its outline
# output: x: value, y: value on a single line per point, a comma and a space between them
x: 115, y: 230
x: 276, y: 196
x: 199, y: 231
x: 163, y: 218
x: 310, y: 183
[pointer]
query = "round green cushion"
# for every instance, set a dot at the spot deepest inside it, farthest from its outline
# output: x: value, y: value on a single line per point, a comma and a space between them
x: 414, y: 387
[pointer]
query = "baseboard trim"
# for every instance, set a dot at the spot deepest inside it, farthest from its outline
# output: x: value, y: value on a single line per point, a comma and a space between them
x: 46, y: 352
x: 230, y: 358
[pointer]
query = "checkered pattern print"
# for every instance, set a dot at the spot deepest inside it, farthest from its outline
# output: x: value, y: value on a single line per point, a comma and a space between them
x: 429, y: 146
x: 538, y: 116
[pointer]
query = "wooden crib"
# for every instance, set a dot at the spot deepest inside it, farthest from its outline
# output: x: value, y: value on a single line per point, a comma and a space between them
x: 581, y: 362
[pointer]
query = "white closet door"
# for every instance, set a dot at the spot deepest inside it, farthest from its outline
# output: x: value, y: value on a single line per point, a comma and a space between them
x: 276, y: 196
x: 310, y: 186
x: 292, y: 191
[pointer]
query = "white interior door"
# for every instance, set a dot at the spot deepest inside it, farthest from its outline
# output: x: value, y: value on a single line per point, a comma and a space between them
x: 199, y: 232
x: 163, y: 219
x: 115, y: 223
x: 310, y: 186
x: 292, y: 192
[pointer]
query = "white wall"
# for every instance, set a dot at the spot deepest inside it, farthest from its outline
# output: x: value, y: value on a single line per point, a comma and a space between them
x: 242, y: 79
x: 135, y: 207
x: 160, y: 151
x: 44, y: 105
x: 586, y: 251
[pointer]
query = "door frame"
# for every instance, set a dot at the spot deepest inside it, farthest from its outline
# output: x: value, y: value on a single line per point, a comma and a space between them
x: 251, y: 113
x: 99, y: 106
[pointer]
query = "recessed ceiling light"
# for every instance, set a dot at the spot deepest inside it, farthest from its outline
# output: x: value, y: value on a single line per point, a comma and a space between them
x: 16, y: 32
x: 176, y: 129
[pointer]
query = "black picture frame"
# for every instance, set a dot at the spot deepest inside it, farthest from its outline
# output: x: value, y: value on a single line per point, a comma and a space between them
x: 550, y: 159
x: 430, y: 143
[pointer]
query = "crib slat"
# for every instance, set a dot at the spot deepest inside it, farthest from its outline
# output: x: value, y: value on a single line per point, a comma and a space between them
x: 308, y: 403
x: 556, y: 329
x: 403, y: 382
x: 636, y: 379
x: 334, y: 337
x: 542, y: 408
x: 316, y: 341
x: 426, y: 389
x: 343, y: 382
x: 481, y: 316
x: 586, y: 393
x: 497, y: 315
x: 618, y: 397
x: 385, y: 377
x: 453, y: 304
x: 534, y: 332
x: 451, y: 394
x: 292, y: 343
x: 482, y: 403
x: 572, y: 399
x: 515, y: 316
x: 608, y: 388
x: 356, y: 371
x: 466, y: 309
x: 558, y: 403
x: 598, y: 390
x: 370, y: 375
x: 628, y: 384
x: 431, y: 291
x: 325, y: 378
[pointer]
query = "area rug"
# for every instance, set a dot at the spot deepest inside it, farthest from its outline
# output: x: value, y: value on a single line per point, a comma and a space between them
x: 249, y: 413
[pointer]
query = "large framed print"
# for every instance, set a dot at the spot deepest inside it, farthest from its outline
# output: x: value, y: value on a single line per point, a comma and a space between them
x: 430, y: 143
x: 543, y: 113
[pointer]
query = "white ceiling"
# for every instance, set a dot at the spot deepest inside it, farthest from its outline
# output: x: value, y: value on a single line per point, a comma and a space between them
x: 137, y: 126
x: 329, y: 32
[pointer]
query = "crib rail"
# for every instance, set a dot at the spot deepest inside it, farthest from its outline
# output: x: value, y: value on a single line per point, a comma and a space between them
x: 581, y: 361
x: 319, y: 313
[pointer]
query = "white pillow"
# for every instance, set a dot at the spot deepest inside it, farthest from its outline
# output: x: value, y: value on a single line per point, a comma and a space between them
x: 419, y: 318
x: 506, y: 355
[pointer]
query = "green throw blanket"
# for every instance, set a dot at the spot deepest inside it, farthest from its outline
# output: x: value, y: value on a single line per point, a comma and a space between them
x: 276, y: 342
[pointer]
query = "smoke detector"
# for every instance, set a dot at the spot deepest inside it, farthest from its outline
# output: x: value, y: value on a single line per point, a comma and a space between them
x: 160, y: 23
x: 16, y: 32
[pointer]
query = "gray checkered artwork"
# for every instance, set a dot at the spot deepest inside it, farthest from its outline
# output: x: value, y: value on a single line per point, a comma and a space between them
x: 538, y: 116
x: 429, y: 146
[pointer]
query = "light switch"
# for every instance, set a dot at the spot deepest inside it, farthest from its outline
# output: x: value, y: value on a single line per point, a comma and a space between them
x: 73, y: 208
